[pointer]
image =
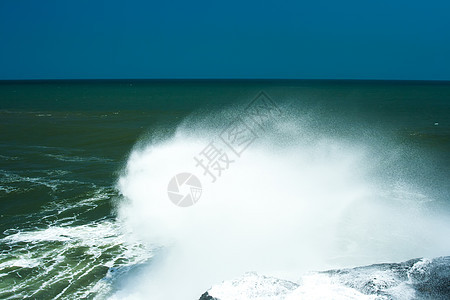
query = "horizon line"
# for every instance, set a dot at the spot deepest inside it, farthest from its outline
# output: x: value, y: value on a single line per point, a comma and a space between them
x: 221, y: 79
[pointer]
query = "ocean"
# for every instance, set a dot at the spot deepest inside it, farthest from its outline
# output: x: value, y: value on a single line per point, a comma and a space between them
x: 331, y: 175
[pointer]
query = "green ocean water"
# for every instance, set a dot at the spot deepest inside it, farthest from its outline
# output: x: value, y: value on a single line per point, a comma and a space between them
x: 63, y: 144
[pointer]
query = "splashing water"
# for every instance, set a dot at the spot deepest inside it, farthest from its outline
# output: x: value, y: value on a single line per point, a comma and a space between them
x: 300, y: 198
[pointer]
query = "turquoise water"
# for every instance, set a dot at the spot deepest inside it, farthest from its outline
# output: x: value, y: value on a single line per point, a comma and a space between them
x: 63, y: 145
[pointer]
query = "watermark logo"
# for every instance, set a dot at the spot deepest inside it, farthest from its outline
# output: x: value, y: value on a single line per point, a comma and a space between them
x: 184, y: 189
x: 231, y: 143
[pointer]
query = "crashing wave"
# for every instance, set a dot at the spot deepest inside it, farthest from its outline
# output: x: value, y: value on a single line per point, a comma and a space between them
x: 413, y: 279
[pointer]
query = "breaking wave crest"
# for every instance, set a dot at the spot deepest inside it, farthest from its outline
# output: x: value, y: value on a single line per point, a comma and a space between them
x: 299, y: 198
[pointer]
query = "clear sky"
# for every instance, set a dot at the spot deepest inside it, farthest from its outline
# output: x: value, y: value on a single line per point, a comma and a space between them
x: 57, y: 39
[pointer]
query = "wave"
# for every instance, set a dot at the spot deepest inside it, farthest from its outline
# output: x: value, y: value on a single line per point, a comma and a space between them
x: 63, y: 257
x: 300, y: 198
x: 71, y: 158
x: 8, y: 189
x: 5, y: 157
x: 413, y: 279
x: 51, y: 183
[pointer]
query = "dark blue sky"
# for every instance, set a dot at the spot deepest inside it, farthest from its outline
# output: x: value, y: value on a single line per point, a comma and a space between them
x: 225, y: 39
